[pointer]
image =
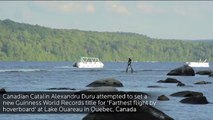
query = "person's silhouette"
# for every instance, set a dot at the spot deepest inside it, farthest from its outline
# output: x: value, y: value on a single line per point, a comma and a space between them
x: 129, y: 65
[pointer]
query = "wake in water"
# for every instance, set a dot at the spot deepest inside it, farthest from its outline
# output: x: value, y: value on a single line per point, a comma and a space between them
x: 21, y: 70
x: 63, y: 67
x: 153, y: 70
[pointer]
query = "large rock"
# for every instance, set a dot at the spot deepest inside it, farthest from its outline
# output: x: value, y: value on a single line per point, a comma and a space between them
x: 163, y: 98
x: 202, y: 83
x: 169, y: 80
x: 186, y: 94
x: 106, y: 82
x: 145, y: 112
x: 102, y: 89
x: 199, y: 99
x: 185, y: 70
x: 204, y: 72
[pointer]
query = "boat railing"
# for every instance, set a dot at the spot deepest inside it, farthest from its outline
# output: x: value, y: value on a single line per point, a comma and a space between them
x: 200, y: 61
x: 89, y: 59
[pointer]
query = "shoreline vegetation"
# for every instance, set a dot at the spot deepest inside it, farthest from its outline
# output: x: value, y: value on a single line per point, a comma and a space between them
x: 25, y: 42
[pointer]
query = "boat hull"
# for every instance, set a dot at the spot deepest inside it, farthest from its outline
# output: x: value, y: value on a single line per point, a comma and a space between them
x: 198, y: 64
x: 89, y: 65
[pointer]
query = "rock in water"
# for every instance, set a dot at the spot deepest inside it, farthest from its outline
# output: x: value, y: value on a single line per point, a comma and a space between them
x: 185, y: 70
x: 181, y: 84
x: 102, y: 89
x: 145, y: 112
x: 61, y: 89
x: 186, y: 94
x: 204, y: 72
x: 106, y: 82
x: 163, y: 98
x: 169, y: 80
x: 195, y: 100
x: 202, y: 83
x: 211, y: 75
x: 155, y: 86
x: 2, y: 91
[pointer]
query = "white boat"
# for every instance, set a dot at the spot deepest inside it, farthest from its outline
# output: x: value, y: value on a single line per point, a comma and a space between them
x: 198, y: 64
x: 89, y: 62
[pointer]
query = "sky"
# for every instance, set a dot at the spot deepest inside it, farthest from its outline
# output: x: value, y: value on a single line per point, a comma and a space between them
x: 192, y: 20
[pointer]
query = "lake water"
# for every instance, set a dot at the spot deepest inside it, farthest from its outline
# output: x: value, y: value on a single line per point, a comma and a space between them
x: 39, y: 76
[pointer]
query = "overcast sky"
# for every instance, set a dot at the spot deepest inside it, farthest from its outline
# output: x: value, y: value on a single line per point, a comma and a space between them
x: 162, y: 19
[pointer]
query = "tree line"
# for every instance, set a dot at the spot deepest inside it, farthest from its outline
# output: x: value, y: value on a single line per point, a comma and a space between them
x: 25, y: 42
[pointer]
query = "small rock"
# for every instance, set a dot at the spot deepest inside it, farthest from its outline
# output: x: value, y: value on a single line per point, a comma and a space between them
x: 155, y: 86
x: 204, y: 72
x: 211, y: 75
x: 181, y: 84
x: 163, y: 98
x: 2, y: 91
x: 202, y: 83
x: 106, y: 82
x: 169, y: 80
x: 199, y: 99
x: 186, y: 94
x: 102, y: 89
x: 61, y: 89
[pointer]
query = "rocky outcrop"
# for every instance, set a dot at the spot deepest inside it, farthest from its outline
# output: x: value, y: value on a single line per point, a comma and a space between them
x: 186, y: 94
x: 163, y: 98
x: 106, y: 82
x: 204, y: 72
x: 202, y: 83
x: 185, y: 70
x: 169, y: 80
x: 199, y: 99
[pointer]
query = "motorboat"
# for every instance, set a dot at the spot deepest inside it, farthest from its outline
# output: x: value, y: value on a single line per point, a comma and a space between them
x: 89, y: 62
x: 198, y: 64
